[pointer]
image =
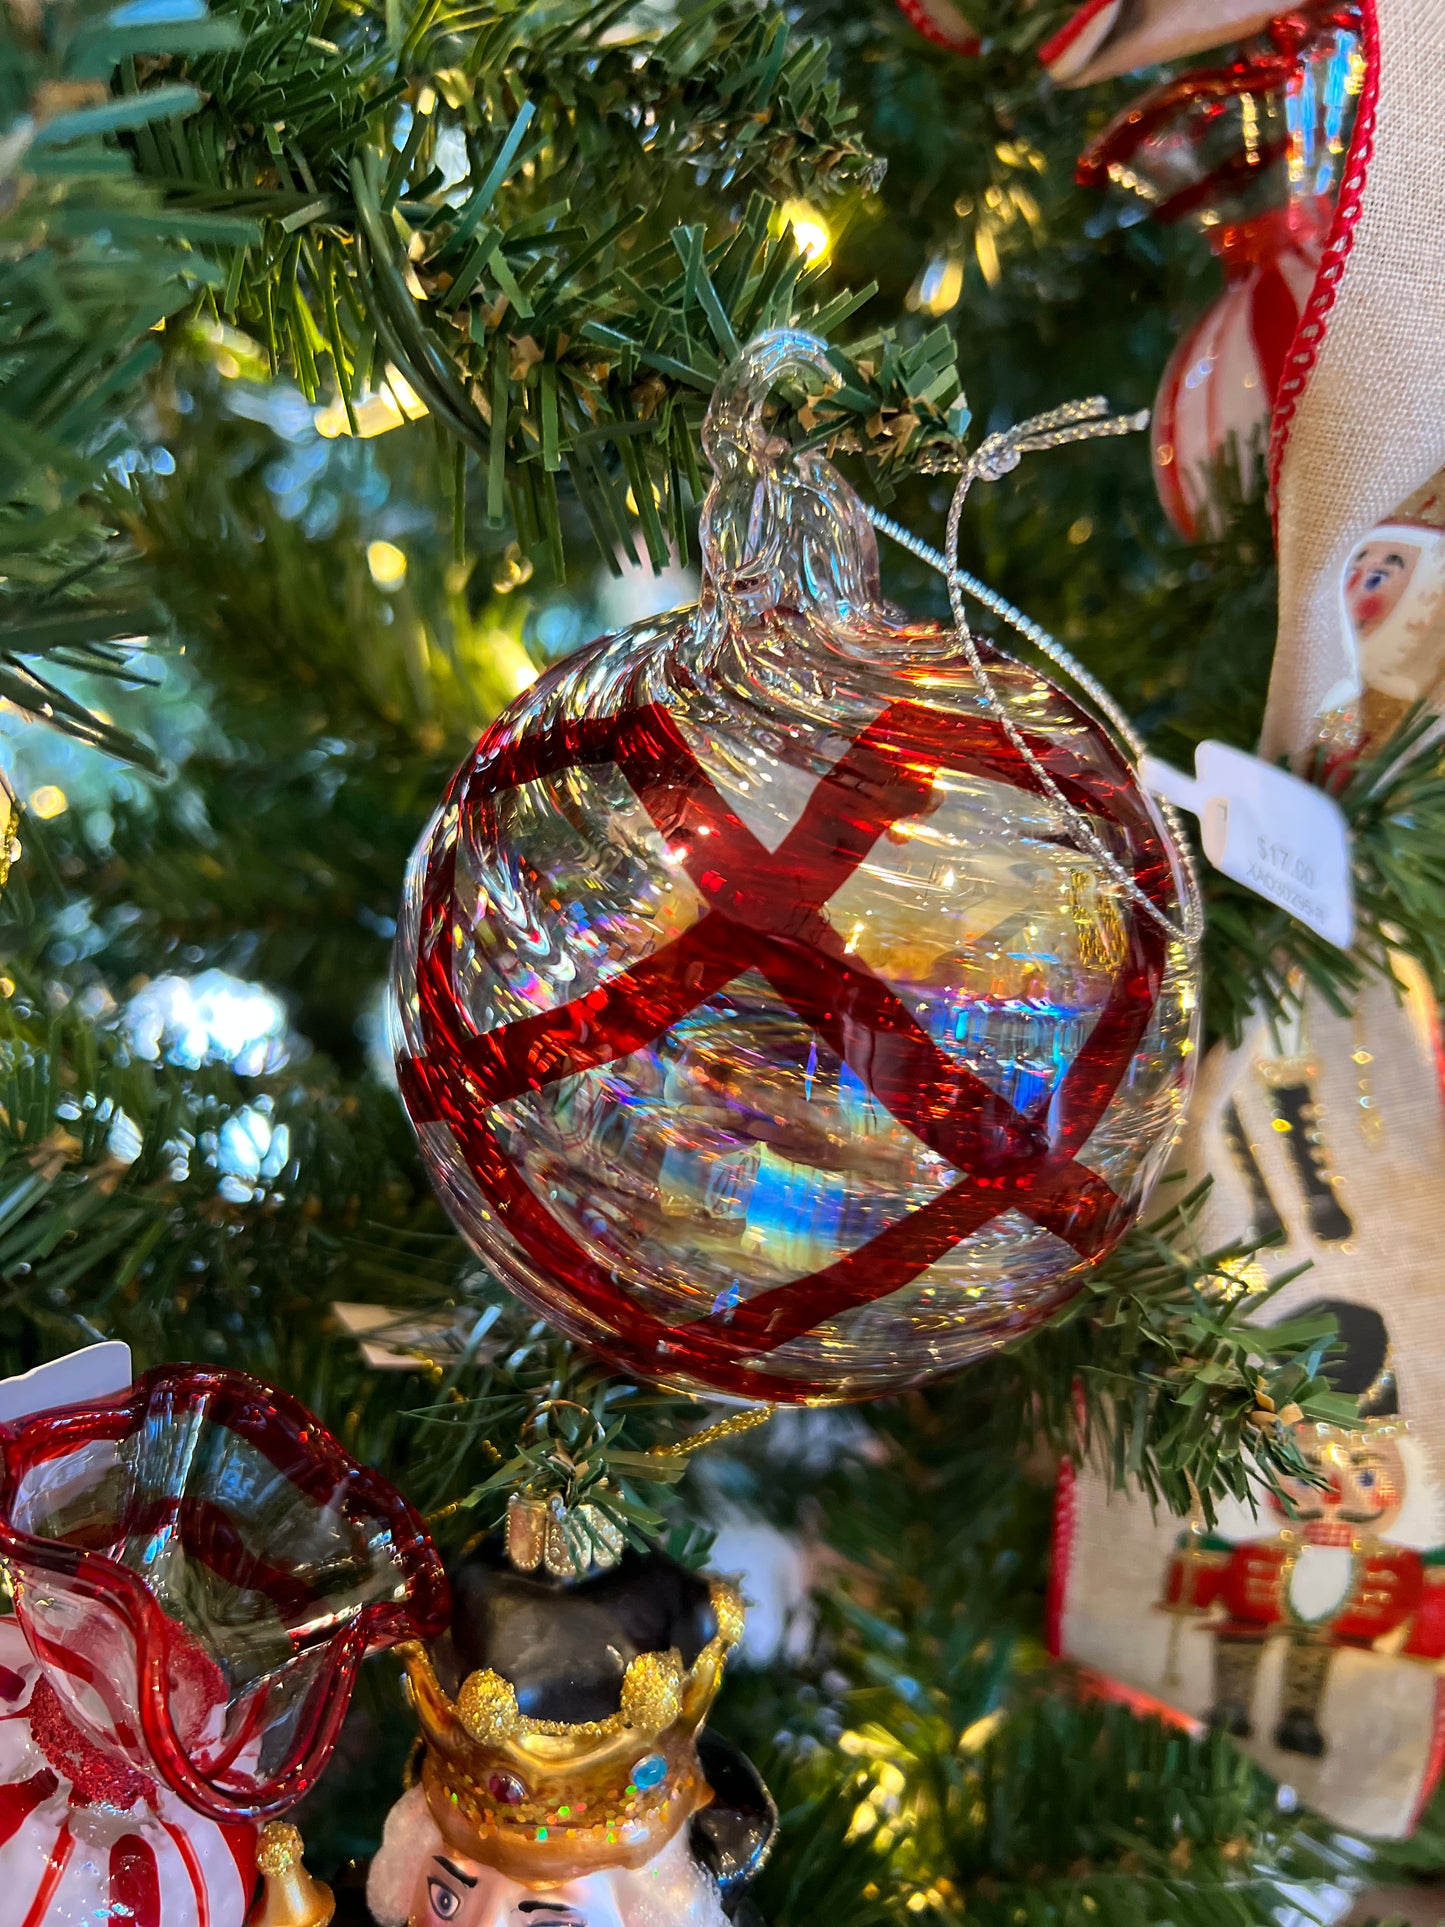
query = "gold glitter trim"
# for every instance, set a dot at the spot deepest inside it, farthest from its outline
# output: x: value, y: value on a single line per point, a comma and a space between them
x: 730, y: 1613
x: 487, y: 1708
x: 726, y: 1428
x: 279, y: 1848
x: 652, y: 1691
x: 654, y: 1687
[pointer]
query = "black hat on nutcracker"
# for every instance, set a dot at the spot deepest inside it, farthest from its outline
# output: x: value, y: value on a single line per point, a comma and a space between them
x: 1361, y: 1364
x: 563, y: 1711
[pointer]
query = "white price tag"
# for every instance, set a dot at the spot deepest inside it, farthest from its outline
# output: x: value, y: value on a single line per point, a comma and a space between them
x: 1269, y: 830
x: 94, y: 1372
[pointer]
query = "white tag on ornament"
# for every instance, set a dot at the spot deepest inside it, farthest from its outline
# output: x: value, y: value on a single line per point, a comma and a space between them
x: 97, y: 1371
x: 1269, y: 830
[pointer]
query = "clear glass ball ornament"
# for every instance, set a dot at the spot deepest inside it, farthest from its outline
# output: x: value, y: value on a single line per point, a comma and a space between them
x: 765, y: 1022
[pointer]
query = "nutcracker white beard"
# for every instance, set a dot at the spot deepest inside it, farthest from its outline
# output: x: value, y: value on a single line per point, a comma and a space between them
x: 417, y: 1880
x: 1320, y: 1579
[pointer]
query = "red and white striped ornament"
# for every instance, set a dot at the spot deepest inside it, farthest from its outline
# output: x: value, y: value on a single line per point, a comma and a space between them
x: 1218, y: 388
x: 86, y: 1841
x: 943, y: 23
x: 1249, y: 153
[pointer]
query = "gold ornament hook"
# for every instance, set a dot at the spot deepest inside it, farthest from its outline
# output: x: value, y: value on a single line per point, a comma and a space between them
x: 290, y: 1897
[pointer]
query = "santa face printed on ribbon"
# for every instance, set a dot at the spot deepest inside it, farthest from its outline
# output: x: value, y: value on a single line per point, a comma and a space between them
x: 1311, y: 1628
x: 1393, y: 600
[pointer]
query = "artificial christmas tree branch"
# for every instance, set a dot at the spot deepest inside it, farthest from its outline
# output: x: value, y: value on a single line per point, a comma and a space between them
x: 1160, y: 1370
x: 335, y: 258
x: 91, y: 264
x: 518, y: 210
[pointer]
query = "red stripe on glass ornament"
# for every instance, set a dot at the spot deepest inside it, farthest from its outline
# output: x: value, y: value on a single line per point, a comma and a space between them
x: 20, y: 1798
x: 135, y: 1882
x: 56, y: 1862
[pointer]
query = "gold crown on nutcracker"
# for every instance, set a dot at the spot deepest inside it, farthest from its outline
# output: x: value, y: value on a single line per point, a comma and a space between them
x: 545, y: 1801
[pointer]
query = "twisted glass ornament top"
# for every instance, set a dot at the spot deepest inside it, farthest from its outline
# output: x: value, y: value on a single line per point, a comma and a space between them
x: 766, y: 1020
x: 778, y: 529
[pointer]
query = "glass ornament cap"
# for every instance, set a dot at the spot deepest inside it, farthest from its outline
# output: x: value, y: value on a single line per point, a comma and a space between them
x: 199, y: 1568
x: 765, y: 1020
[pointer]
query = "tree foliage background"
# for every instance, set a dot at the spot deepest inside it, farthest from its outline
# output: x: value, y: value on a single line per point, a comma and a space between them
x: 244, y: 639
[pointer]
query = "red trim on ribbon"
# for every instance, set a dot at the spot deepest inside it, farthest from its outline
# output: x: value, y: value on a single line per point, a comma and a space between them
x: 1435, y: 1761
x: 1144, y: 1706
x: 1066, y: 1520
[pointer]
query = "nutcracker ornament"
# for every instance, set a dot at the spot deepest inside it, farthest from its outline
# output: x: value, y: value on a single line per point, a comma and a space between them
x: 566, y: 1775
x: 197, y: 1571
x: 1250, y: 153
x: 791, y: 997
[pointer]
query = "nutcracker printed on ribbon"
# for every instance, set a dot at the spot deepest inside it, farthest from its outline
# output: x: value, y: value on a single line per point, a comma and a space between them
x: 1312, y: 1627
x: 1330, y: 1576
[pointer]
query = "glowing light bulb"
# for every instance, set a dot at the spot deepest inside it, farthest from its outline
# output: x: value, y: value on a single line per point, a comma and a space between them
x: 395, y: 402
x: 387, y: 564
x: 811, y: 233
x: 513, y: 666
x: 940, y: 285
x: 632, y: 508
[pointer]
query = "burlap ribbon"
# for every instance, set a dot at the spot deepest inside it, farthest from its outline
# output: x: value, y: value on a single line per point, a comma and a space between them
x: 1367, y: 425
